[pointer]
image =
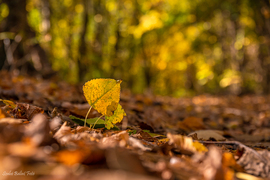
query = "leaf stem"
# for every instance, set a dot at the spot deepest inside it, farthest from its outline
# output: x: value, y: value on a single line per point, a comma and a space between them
x: 87, y: 115
x: 96, y: 121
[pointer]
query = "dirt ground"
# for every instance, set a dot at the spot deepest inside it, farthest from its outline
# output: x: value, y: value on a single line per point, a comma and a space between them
x: 203, y: 137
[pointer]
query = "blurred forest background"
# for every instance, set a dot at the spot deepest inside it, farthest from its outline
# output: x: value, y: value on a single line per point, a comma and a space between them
x: 173, y: 47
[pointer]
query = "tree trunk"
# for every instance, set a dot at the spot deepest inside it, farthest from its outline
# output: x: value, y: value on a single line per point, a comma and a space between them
x: 28, y: 58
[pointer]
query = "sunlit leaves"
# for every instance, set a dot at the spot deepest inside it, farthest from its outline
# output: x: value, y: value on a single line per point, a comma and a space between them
x: 186, y: 143
x: 104, y: 95
x: 159, y: 35
x: 4, y: 11
x: 101, y: 93
x: 117, y: 117
x: 9, y: 103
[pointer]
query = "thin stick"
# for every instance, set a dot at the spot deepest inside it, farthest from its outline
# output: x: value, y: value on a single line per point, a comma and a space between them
x: 255, y: 153
x: 87, y: 115
x: 96, y: 121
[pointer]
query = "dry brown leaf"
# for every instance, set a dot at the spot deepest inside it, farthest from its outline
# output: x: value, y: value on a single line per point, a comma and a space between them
x: 206, y: 135
x: 120, y: 138
x: 62, y: 132
x: 2, y: 114
x: 211, y: 166
x: 254, y: 165
x: 122, y: 159
x: 184, y: 143
x: 22, y: 149
x: 11, y: 132
x: 39, y: 130
x: 11, y: 121
x: 70, y: 157
x: 26, y: 111
x: 191, y: 124
x: 135, y: 143
x: 229, y: 161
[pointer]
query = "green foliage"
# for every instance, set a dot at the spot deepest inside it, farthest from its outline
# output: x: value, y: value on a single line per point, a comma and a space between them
x: 99, y: 123
x: 93, y: 122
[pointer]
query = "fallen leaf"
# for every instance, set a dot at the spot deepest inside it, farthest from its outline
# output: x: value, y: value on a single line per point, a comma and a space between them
x: 62, y: 132
x: 101, y: 93
x: 9, y: 103
x: 119, y: 158
x: 71, y: 157
x: 117, y: 117
x: 22, y: 149
x: 99, y: 123
x: 135, y: 143
x: 229, y: 161
x: 245, y: 176
x: 211, y: 167
x: 11, y: 130
x: 206, y: 135
x: 2, y: 114
x: 191, y: 124
x: 258, y: 166
x: 11, y: 121
x: 39, y: 130
x: 186, y: 143
x: 120, y: 138
x: 26, y: 111
x: 111, y: 108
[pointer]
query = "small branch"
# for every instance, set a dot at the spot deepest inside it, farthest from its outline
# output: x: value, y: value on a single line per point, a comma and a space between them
x: 87, y: 116
x: 240, y: 145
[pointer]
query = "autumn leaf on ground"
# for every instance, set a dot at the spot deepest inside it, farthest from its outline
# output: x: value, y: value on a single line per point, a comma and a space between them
x: 104, y: 95
x: 186, y: 143
x: 2, y: 114
x: 101, y: 93
x: 118, y: 115
x: 9, y: 103
x: 206, y: 135
x: 111, y: 108
x: 100, y: 123
x: 26, y: 111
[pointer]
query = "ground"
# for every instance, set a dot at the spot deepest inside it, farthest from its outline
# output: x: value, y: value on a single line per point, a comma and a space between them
x: 202, y: 137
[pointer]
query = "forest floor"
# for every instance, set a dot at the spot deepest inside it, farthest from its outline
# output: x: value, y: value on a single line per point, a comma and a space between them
x: 204, y: 137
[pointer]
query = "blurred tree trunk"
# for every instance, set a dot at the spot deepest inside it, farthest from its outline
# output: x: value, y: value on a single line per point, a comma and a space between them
x: 262, y: 20
x: 99, y: 35
x: 82, y: 61
x: 22, y: 52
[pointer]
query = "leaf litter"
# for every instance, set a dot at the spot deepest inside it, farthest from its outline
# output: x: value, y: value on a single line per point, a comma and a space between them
x: 204, y: 137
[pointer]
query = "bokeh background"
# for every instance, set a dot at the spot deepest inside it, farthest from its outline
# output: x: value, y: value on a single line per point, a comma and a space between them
x: 167, y: 47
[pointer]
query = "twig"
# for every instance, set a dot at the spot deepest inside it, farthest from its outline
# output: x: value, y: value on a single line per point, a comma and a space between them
x: 240, y: 145
x: 87, y: 116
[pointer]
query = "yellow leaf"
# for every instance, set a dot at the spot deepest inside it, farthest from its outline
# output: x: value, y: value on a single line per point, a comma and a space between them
x: 101, y: 93
x: 111, y: 108
x: 118, y: 115
x: 186, y: 143
x: 199, y: 147
x: 2, y: 114
x: 9, y: 103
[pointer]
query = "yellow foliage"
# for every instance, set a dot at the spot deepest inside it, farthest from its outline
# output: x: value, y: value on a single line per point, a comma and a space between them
x: 149, y: 21
x: 104, y: 95
x: 186, y: 143
x: 199, y: 147
x: 2, y: 114
x: 101, y: 93
x: 118, y: 115
x: 9, y: 103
